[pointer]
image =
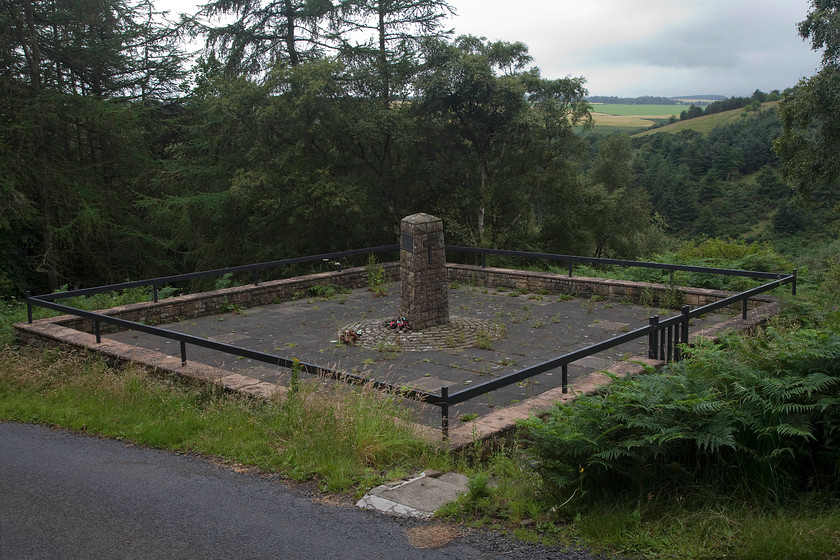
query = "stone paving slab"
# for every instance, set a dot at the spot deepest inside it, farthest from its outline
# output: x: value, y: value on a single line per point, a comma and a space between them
x: 419, y: 496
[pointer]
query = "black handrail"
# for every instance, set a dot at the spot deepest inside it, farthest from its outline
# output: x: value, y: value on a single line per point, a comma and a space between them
x: 255, y: 268
x: 665, y: 337
x: 617, y: 262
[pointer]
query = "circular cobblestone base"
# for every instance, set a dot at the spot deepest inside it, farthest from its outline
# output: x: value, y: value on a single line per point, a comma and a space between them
x: 460, y: 332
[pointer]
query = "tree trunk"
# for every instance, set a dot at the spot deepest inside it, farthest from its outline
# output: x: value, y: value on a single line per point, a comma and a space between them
x: 33, y: 49
x: 482, y: 204
x: 384, y: 68
x: 294, y: 59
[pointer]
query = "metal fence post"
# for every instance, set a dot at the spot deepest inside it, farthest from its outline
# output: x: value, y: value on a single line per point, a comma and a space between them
x: 154, y: 292
x: 97, y: 331
x: 183, y: 353
x: 744, y: 309
x: 793, y: 287
x: 564, y: 379
x: 682, y: 336
x: 653, y: 338
x: 444, y: 412
x: 28, y: 307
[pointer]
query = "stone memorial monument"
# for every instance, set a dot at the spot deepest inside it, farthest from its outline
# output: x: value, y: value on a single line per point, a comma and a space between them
x: 424, y: 297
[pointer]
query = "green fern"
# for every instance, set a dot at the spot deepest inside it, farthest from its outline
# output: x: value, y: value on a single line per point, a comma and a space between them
x: 745, y: 413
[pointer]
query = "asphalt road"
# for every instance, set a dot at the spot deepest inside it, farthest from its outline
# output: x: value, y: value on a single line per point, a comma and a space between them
x: 66, y: 496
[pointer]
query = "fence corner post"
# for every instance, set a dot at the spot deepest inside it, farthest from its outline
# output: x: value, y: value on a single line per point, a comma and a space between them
x: 793, y: 284
x: 28, y: 307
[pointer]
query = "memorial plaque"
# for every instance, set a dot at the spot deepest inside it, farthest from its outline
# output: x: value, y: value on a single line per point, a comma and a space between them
x: 407, y: 242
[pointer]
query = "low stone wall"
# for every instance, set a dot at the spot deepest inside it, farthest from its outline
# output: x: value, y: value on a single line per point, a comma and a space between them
x: 527, y: 281
x: 239, y: 297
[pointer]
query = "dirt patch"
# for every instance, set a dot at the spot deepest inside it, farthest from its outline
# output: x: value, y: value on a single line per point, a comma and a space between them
x: 334, y: 500
x: 431, y: 536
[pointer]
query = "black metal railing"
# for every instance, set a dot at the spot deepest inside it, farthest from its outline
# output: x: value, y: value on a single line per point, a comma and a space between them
x: 253, y: 269
x: 665, y: 337
x: 570, y: 260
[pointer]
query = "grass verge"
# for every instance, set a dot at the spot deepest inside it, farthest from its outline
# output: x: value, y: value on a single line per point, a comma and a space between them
x: 343, y: 438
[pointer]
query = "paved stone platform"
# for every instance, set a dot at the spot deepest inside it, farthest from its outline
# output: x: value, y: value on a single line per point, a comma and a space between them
x: 527, y: 329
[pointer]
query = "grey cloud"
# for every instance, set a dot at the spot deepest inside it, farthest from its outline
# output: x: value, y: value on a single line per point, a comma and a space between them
x: 724, y: 38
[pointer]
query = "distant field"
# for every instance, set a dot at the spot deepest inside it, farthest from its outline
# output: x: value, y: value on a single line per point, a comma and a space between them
x: 638, y: 110
x: 636, y: 119
x: 707, y: 123
x: 625, y: 122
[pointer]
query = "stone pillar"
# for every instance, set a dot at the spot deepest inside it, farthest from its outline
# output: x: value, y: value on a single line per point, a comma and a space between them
x: 424, y: 291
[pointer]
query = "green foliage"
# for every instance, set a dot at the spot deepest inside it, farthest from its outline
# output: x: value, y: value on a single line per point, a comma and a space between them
x: 376, y: 276
x: 810, y: 133
x: 326, y: 291
x: 808, y: 143
x: 720, y: 253
x: 92, y: 106
x: 495, y: 137
x: 674, y: 298
x: 757, y: 416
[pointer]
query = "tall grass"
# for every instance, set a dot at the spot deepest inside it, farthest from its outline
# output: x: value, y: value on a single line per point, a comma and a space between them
x: 342, y: 437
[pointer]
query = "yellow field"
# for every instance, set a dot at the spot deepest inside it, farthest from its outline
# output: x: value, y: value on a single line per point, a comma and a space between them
x: 642, y: 121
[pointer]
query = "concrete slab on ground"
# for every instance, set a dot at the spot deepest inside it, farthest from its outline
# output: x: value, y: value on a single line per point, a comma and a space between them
x: 420, y: 496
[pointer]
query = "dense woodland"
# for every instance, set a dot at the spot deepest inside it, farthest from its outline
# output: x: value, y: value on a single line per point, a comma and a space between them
x: 308, y: 126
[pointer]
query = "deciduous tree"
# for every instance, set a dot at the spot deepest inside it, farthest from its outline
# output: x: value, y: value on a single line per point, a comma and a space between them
x: 810, y: 139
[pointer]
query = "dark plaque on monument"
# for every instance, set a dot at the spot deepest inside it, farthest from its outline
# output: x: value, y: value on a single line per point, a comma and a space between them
x: 407, y: 242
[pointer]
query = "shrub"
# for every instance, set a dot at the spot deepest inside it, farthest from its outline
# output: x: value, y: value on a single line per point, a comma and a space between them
x: 757, y: 415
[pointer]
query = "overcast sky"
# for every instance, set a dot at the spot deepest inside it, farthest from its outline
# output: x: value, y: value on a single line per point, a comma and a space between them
x: 630, y: 48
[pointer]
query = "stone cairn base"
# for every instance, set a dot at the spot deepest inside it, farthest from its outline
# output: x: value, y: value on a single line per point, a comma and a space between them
x: 459, y: 332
